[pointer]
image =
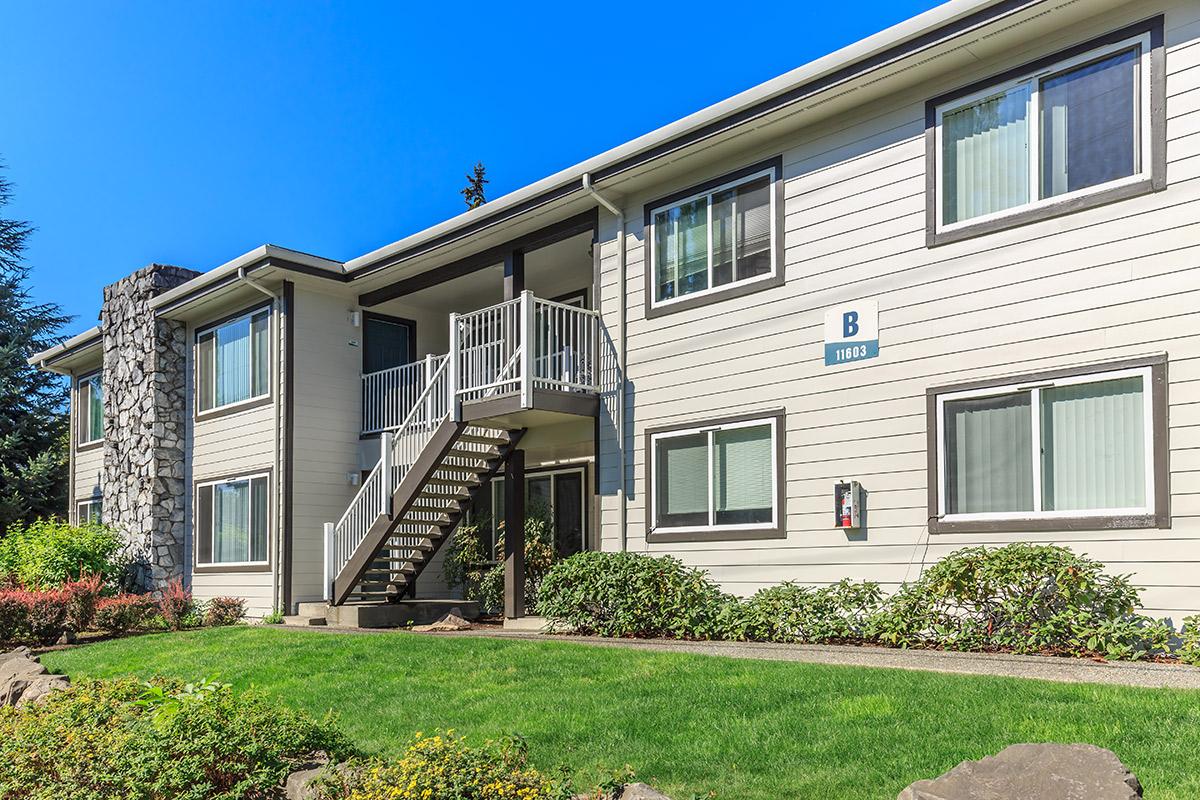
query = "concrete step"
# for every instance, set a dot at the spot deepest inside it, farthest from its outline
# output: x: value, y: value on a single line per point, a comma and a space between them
x: 302, y: 621
x: 371, y: 614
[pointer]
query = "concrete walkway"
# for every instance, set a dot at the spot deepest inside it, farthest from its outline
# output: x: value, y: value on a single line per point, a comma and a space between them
x: 1047, y: 668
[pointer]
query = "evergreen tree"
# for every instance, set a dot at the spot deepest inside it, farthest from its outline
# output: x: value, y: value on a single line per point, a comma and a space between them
x: 473, y: 194
x: 33, y: 419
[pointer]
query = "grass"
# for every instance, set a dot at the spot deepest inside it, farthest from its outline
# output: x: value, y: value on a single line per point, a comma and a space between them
x: 686, y: 723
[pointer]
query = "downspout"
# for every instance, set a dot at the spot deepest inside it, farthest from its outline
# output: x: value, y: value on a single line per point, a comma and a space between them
x: 277, y: 582
x: 620, y: 215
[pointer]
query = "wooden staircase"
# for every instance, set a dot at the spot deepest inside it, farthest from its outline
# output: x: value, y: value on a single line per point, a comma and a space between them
x: 459, y: 461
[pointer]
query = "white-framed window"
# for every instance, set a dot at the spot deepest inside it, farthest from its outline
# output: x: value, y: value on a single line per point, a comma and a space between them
x: 718, y: 477
x: 89, y: 512
x: 91, y: 409
x: 233, y: 361
x: 1073, y: 128
x: 714, y: 239
x: 1070, y: 447
x: 232, y: 521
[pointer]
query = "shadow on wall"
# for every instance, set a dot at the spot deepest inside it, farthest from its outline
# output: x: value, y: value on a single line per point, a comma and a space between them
x: 609, y: 476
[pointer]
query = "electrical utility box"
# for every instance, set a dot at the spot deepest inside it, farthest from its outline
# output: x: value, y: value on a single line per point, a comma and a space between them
x: 848, y: 505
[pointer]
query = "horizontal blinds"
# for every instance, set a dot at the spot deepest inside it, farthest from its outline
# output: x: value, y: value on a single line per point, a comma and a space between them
x: 683, y: 476
x: 742, y: 471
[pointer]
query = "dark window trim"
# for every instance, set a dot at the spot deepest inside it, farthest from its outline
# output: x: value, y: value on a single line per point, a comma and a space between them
x: 412, y: 334
x: 87, y: 501
x: 734, y: 289
x: 778, y: 531
x: 216, y: 569
x: 1160, y: 459
x: 83, y: 447
x: 584, y: 292
x: 246, y: 405
x: 1157, y: 144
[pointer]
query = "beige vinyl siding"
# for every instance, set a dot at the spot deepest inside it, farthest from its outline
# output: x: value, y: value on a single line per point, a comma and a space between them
x: 328, y: 419
x: 89, y: 472
x: 1103, y: 284
x: 240, y: 443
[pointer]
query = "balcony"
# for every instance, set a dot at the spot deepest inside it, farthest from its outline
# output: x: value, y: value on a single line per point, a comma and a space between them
x: 523, y: 355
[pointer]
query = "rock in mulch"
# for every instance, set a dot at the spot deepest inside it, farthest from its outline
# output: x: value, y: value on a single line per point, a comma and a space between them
x: 1034, y: 772
x: 641, y: 791
x: 450, y: 622
x: 23, y: 680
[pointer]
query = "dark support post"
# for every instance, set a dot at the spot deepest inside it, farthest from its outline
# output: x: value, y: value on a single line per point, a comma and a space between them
x: 514, y: 535
x: 514, y: 274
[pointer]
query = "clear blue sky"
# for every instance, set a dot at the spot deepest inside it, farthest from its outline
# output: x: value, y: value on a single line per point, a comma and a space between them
x: 189, y: 133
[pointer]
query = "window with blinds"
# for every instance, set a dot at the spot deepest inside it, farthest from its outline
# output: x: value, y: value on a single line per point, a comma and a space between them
x: 1064, y: 447
x: 714, y: 239
x: 233, y: 361
x: 1065, y: 130
x: 231, y: 521
x: 722, y: 476
x: 90, y: 411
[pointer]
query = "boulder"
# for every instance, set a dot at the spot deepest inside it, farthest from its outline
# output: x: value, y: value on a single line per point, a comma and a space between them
x: 450, y: 622
x: 1034, y: 772
x: 299, y: 784
x: 641, y: 791
x: 23, y: 680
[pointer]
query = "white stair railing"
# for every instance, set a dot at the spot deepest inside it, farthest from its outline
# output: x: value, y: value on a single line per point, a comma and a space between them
x: 388, y: 395
x: 398, y: 453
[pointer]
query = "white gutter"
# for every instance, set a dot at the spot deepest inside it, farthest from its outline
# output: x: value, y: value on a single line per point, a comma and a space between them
x: 280, y: 439
x: 620, y: 215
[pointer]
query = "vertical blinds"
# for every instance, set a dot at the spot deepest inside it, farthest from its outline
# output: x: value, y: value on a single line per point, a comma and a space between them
x: 233, y: 362
x: 985, y: 156
x: 231, y: 520
x: 989, y: 457
x: 1093, y: 446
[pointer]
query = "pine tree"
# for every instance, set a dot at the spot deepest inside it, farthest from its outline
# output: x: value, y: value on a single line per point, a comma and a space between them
x: 473, y: 193
x: 33, y: 419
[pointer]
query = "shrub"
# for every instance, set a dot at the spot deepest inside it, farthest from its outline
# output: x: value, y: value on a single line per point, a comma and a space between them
x: 14, y: 616
x: 123, y: 613
x: 275, y: 617
x: 47, y: 615
x: 103, y: 739
x: 1189, y: 646
x: 177, y: 606
x: 631, y: 594
x: 1023, y: 598
x: 445, y: 767
x: 82, y: 596
x: 224, y: 611
x: 469, y: 563
x: 48, y: 553
x: 791, y: 612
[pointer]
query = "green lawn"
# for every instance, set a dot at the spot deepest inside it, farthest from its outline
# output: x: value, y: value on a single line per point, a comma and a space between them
x: 740, y: 728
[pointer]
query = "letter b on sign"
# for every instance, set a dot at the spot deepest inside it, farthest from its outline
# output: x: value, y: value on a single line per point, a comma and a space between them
x: 849, y: 324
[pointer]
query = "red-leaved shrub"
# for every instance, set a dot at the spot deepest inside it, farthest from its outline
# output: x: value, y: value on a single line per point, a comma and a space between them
x: 47, y: 614
x: 224, y: 611
x: 123, y: 612
x: 176, y: 605
x: 14, y: 615
x: 82, y: 596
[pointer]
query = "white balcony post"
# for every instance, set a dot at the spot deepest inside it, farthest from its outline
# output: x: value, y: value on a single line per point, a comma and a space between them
x: 527, y: 349
x: 452, y: 371
x: 385, y: 462
x: 429, y: 393
x: 330, y: 549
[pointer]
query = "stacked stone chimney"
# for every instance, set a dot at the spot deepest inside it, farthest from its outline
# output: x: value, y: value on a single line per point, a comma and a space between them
x: 145, y: 363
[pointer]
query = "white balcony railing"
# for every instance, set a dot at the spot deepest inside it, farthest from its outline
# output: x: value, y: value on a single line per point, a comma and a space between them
x: 515, y: 347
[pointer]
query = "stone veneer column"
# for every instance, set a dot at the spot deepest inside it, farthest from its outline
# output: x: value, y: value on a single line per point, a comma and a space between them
x: 145, y: 363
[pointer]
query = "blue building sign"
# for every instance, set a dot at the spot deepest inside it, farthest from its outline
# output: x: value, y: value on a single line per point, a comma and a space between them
x: 851, y: 332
